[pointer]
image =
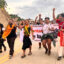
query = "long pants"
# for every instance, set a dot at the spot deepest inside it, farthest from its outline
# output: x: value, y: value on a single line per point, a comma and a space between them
x: 2, y: 45
x: 60, y: 49
x: 61, y: 52
x: 11, y: 45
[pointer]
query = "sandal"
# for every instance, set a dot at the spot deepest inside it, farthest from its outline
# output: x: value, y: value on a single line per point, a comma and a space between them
x: 10, y: 57
x: 23, y: 56
x: 30, y: 53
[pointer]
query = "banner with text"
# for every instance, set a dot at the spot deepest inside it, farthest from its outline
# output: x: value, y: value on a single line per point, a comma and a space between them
x: 37, y: 32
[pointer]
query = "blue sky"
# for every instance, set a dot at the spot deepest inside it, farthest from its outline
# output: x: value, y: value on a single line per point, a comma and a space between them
x: 31, y: 8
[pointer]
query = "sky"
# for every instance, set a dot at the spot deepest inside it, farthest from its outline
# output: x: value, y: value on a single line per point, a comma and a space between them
x: 32, y: 8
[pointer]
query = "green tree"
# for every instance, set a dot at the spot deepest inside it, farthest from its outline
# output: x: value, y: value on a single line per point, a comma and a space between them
x: 3, y: 4
x: 16, y: 16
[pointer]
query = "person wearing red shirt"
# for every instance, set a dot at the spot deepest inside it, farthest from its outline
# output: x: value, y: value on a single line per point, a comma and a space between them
x: 60, y: 22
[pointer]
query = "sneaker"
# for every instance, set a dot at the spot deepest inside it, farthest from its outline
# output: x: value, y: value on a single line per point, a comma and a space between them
x: 46, y: 51
x: 59, y: 58
x: 30, y: 53
x: 10, y: 57
x: 39, y: 47
x: 49, y: 52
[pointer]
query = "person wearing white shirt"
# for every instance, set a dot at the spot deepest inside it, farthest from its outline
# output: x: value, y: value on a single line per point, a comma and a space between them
x: 54, y: 32
x: 47, y: 38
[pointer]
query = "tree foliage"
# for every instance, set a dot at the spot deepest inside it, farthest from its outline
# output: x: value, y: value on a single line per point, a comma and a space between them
x: 16, y: 16
x: 3, y: 4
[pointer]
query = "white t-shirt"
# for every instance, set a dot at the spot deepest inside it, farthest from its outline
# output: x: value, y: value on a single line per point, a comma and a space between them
x: 46, y: 28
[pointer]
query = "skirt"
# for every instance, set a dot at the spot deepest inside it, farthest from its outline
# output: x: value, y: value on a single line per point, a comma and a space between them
x: 26, y: 42
x: 47, y: 36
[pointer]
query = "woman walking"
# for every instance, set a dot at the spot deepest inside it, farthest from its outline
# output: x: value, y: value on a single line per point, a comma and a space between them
x: 26, y: 39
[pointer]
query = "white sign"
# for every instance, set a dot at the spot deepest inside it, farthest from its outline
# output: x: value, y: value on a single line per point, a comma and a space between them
x: 37, y: 32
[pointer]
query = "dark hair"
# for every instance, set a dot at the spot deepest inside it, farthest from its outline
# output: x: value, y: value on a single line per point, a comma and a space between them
x: 62, y: 14
x: 27, y: 20
x: 47, y: 18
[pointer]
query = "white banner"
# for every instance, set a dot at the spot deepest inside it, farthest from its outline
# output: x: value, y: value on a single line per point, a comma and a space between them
x: 37, y: 32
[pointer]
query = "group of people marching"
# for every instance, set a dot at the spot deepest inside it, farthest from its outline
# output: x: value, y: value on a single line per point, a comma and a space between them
x: 51, y: 31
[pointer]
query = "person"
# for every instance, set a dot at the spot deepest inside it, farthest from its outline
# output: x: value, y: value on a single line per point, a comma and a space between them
x: 54, y: 31
x: 10, y: 34
x: 1, y: 40
x: 39, y: 22
x: 60, y: 22
x: 47, y: 38
x: 21, y: 31
x: 26, y: 39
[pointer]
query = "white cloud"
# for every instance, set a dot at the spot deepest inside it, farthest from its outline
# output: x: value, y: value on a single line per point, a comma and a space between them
x: 30, y: 8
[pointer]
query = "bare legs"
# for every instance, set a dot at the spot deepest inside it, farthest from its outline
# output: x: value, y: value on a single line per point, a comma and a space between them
x: 30, y: 52
x: 44, y: 45
x: 47, y: 45
x: 39, y: 45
